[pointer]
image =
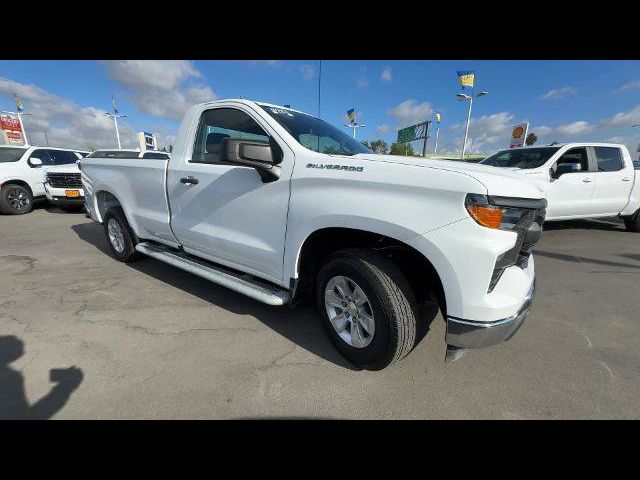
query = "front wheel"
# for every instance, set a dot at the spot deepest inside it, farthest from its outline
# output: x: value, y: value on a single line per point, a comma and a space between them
x: 367, y: 308
x: 119, y: 237
x: 15, y: 200
x: 633, y: 222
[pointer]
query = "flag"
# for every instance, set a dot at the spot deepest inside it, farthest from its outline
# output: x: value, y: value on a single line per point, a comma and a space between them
x: 438, y: 117
x: 466, y: 78
x: 113, y: 104
x: 352, y: 116
x: 18, y: 103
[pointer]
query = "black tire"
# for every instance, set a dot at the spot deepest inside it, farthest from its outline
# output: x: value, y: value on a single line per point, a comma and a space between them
x: 15, y: 199
x: 392, y: 303
x: 633, y: 222
x: 128, y: 252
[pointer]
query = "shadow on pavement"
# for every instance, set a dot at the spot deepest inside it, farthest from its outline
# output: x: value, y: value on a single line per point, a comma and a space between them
x: 13, y: 400
x: 300, y: 325
x: 595, y: 261
x: 611, y: 225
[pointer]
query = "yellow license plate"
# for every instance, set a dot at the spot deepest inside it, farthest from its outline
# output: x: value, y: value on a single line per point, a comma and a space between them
x: 72, y: 193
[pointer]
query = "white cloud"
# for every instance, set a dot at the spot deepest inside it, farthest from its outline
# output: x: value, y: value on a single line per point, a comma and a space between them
x: 410, y: 112
x: 307, y: 71
x: 382, y: 129
x: 541, y: 131
x: 164, y: 88
x: 574, y: 128
x: 386, y: 75
x: 66, y: 123
x: 632, y: 85
x: 558, y: 93
x: 623, y: 119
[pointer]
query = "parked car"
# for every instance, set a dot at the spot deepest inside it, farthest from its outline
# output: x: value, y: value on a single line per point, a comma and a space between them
x: 581, y: 180
x: 250, y: 200
x: 22, y: 174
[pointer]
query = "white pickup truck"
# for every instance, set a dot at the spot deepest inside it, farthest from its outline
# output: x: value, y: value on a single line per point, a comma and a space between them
x: 279, y: 205
x: 581, y: 180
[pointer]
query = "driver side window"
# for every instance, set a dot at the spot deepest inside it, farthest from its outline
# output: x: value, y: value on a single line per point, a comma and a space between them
x: 42, y: 155
x: 218, y: 124
x: 575, y: 155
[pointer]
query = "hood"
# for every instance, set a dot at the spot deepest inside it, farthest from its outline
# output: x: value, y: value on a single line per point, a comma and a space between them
x: 498, y: 181
x: 70, y: 168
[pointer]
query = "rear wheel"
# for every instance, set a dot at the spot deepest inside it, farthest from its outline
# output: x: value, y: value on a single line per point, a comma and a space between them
x: 633, y: 222
x: 15, y: 200
x: 119, y: 236
x: 367, y: 308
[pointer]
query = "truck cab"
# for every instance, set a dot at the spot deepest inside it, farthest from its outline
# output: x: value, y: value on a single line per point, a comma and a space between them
x: 581, y: 180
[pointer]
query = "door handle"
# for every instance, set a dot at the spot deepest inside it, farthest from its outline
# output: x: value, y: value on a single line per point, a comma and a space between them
x: 189, y: 180
x: 586, y: 180
x: 626, y: 179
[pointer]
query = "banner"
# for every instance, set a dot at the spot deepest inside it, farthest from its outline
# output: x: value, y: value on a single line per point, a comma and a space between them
x: 466, y: 78
x: 19, y: 105
x: 519, y: 135
x: 352, y: 116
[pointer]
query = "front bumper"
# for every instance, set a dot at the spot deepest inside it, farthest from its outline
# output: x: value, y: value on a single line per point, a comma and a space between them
x: 473, y: 334
x: 57, y: 196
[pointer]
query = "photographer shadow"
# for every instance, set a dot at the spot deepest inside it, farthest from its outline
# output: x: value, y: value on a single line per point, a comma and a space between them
x: 13, y: 400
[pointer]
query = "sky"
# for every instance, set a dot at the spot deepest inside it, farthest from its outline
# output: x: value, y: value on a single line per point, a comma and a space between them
x: 562, y: 100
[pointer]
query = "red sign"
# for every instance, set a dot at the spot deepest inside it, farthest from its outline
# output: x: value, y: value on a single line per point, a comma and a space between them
x: 10, y: 123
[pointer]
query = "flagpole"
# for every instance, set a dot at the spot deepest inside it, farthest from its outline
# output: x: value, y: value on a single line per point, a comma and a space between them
x: 24, y: 132
x: 435, y: 151
x: 466, y: 129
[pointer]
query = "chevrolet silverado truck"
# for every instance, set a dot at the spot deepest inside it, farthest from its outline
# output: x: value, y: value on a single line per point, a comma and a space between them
x: 581, y: 180
x: 281, y: 206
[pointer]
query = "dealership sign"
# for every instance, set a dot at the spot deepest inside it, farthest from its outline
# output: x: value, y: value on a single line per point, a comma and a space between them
x: 11, y: 131
x: 412, y: 133
x: 519, y: 135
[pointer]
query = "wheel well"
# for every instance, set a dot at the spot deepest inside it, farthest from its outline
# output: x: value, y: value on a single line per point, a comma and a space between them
x: 420, y: 273
x: 106, y: 200
x: 18, y: 182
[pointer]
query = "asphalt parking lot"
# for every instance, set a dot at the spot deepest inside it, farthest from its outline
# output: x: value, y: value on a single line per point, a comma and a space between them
x: 150, y: 341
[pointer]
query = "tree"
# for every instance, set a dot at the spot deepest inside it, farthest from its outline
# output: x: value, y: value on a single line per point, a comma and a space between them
x: 531, y: 139
x: 380, y: 147
x: 401, y: 149
x: 170, y: 148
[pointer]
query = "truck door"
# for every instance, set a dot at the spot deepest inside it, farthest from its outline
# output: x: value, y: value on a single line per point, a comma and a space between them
x: 225, y: 212
x: 614, y: 180
x: 570, y: 195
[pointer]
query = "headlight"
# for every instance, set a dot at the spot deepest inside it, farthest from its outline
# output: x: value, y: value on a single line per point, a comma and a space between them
x: 490, y: 213
x: 523, y: 216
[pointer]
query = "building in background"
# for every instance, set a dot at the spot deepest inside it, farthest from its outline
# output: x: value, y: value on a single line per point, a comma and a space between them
x: 148, y: 141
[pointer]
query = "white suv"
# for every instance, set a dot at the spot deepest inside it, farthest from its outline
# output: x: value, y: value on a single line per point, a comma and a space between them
x: 22, y: 175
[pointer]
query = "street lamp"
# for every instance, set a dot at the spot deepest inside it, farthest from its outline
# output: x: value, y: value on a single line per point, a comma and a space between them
x: 463, y: 97
x: 116, y: 116
x: 354, y: 125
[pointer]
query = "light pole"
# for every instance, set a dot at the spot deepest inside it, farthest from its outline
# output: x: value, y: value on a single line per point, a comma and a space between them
x: 354, y: 125
x: 116, y: 116
x: 19, y: 115
x: 463, y: 97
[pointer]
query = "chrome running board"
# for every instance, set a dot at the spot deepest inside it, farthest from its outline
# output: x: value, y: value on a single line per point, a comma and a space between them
x: 241, y: 283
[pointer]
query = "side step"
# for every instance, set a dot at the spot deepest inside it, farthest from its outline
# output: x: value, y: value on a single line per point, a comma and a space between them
x: 245, y: 284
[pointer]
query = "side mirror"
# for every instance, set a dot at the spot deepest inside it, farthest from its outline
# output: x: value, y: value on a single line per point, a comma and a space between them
x: 35, y: 162
x: 563, y: 168
x: 251, y: 153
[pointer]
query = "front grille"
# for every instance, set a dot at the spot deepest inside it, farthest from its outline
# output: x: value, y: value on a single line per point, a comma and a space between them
x: 529, y: 232
x: 64, y: 180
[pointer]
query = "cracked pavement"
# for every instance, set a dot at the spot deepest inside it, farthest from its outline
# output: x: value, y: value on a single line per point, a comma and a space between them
x: 155, y: 342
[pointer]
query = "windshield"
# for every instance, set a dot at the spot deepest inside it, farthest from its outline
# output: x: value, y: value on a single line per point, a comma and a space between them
x: 521, y: 158
x: 315, y: 134
x: 113, y: 154
x: 11, y: 154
